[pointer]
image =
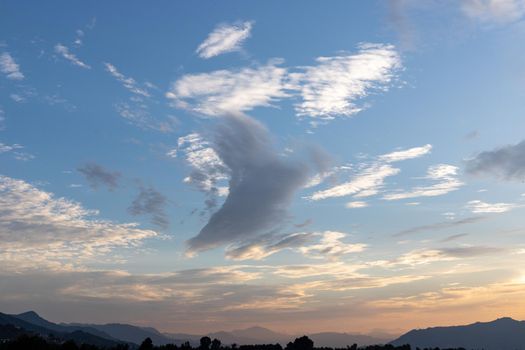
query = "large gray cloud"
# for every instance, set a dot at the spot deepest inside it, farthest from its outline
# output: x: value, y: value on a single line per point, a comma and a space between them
x: 151, y: 202
x: 96, y: 175
x: 261, y: 185
x: 505, y: 163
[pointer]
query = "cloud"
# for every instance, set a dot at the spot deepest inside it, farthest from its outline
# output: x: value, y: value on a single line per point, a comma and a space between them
x: 366, y: 183
x: 261, y: 184
x: 96, y: 175
x: 207, y: 167
x: 444, y: 174
x: 14, y: 149
x: 9, y: 67
x: 454, y: 237
x: 479, y: 207
x: 229, y: 91
x: 333, y: 87
x: 440, y: 225
x: 127, y: 82
x: 224, y: 38
x: 8, y: 148
x: 267, y: 245
x: 356, y: 204
x: 137, y: 114
x: 331, y: 245
x: 410, y: 153
x: 150, y: 202
x: 505, y: 163
x: 64, y: 51
x: 498, y: 11
x: 38, y: 230
x: 370, y: 179
x: 427, y: 256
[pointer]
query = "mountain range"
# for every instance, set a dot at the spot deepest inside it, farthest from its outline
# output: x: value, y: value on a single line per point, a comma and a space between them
x: 501, y: 334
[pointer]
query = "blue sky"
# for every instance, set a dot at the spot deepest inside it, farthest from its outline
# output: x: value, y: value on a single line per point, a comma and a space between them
x: 210, y: 165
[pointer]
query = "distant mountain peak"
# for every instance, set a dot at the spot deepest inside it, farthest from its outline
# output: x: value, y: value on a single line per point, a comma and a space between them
x: 30, y: 313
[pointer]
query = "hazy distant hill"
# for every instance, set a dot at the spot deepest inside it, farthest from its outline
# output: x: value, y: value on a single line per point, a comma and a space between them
x: 501, y: 334
x: 133, y: 334
x: 260, y: 335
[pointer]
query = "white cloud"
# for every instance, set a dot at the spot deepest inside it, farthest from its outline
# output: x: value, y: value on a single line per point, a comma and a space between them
x: 410, y: 153
x: 4, y: 148
x: 370, y: 179
x: 37, y: 229
x: 64, y: 51
x: 127, y: 82
x: 331, y: 245
x: 225, y: 38
x: 227, y: 91
x: 499, y: 11
x: 9, y: 67
x: 479, y: 207
x: 366, y: 183
x: 333, y: 87
x: 447, y: 181
x: 17, y: 98
x: 356, y: 204
x: 172, y: 153
x: 207, y: 168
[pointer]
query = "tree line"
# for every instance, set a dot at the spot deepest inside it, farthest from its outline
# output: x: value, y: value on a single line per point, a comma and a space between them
x: 37, y: 342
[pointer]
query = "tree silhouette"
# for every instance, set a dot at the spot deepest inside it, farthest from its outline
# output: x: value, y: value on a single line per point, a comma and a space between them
x: 147, y: 344
x: 302, y: 343
x: 215, y: 344
x: 205, y: 343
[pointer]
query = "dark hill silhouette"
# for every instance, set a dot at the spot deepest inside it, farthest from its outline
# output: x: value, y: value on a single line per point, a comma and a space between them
x: 46, y: 329
x: 501, y: 334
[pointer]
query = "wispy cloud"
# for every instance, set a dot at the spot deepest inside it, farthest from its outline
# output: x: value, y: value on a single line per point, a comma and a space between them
x: 410, y: 153
x: 229, y: 91
x: 314, y: 245
x: 64, y: 52
x: 96, y: 175
x: 333, y: 87
x: 128, y: 82
x: 4, y: 148
x: 331, y: 245
x: 9, y: 67
x: 440, y: 225
x: 356, y: 204
x: 139, y: 115
x: 480, y: 207
x: 225, y: 38
x: 446, y: 177
x: 370, y: 179
x: 498, y: 11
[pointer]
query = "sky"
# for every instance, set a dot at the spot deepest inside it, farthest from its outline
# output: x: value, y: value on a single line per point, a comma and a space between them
x: 350, y: 166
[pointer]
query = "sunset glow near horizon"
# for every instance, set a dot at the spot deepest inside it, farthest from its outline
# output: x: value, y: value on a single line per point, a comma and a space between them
x: 349, y: 166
